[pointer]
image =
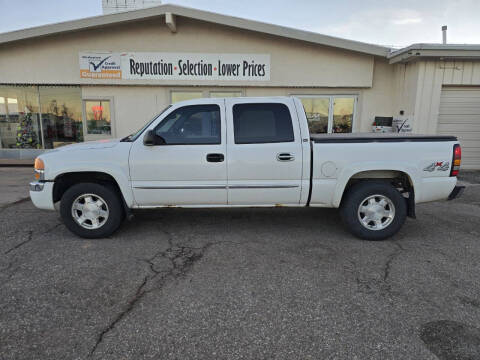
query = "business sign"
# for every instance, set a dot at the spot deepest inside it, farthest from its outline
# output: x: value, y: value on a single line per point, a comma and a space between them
x: 100, y: 65
x: 180, y: 66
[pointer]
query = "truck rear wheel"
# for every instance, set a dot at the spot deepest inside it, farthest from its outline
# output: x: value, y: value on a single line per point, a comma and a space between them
x: 91, y: 210
x: 373, y: 210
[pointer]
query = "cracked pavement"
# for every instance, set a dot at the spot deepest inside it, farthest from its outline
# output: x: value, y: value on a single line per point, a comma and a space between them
x: 240, y: 284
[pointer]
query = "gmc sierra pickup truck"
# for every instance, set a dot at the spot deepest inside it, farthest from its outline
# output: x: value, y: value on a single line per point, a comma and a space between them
x: 246, y: 152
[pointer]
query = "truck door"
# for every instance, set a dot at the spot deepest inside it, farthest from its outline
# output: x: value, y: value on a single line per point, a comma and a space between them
x: 190, y: 167
x: 264, y: 148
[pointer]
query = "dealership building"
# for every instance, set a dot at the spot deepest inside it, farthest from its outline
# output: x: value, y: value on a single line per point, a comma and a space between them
x: 105, y: 76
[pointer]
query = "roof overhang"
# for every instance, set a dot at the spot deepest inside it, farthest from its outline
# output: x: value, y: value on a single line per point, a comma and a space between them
x: 435, y: 51
x: 175, y: 10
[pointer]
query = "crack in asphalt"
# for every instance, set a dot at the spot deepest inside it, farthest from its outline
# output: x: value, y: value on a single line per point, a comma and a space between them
x: 130, y: 305
x: 181, y: 260
x: 29, y: 238
x: 388, y: 264
x: 383, y: 284
x: 5, y: 207
x: 13, y: 259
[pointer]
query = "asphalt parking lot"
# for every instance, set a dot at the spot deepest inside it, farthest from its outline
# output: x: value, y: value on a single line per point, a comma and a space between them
x: 239, y: 284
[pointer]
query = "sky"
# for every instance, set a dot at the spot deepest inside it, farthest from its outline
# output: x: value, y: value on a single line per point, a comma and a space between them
x: 390, y: 23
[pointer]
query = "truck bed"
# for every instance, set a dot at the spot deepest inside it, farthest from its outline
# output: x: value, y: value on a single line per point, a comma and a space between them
x: 377, y: 137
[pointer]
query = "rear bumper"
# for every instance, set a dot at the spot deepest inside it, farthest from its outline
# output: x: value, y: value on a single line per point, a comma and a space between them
x: 41, y: 194
x: 456, y: 192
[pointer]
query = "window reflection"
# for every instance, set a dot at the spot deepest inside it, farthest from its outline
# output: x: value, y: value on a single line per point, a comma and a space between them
x: 320, y: 119
x: 225, y: 94
x: 98, y: 117
x: 342, y: 115
x: 19, y: 118
x: 316, y: 110
x: 61, y: 115
x: 185, y: 95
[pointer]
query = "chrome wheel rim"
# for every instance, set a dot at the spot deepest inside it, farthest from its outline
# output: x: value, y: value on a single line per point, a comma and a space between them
x: 376, y: 212
x: 90, y: 211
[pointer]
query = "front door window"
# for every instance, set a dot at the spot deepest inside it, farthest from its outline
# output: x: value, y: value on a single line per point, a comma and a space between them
x: 191, y: 125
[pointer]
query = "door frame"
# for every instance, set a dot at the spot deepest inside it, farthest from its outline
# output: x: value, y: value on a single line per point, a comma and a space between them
x: 113, y: 130
x: 271, y: 188
x: 187, y: 186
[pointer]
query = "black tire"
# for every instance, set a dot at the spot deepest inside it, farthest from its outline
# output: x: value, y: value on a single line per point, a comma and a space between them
x: 112, y: 200
x: 354, y: 198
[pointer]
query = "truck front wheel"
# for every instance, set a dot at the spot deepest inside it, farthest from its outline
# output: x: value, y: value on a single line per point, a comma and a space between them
x: 91, y: 210
x: 373, y: 210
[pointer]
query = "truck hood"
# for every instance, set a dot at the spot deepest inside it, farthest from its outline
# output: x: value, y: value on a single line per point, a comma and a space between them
x: 99, y: 144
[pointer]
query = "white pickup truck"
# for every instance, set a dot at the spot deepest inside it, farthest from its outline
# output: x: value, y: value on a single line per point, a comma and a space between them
x: 246, y: 152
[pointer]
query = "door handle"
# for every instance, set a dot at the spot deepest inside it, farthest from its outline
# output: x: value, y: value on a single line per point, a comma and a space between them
x: 285, y: 157
x: 215, y: 157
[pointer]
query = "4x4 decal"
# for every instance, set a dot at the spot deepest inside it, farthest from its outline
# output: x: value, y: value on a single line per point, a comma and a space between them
x: 439, y: 165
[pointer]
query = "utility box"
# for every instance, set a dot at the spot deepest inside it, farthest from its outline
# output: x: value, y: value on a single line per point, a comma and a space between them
x: 382, y: 124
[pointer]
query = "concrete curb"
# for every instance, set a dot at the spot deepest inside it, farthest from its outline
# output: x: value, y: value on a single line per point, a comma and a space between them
x: 15, y: 163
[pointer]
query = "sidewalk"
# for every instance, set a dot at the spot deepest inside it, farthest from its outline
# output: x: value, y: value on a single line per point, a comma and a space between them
x: 469, y: 176
x: 16, y: 162
x: 14, y: 184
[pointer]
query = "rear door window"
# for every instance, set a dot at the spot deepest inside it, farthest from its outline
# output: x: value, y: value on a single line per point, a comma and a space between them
x: 259, y: 123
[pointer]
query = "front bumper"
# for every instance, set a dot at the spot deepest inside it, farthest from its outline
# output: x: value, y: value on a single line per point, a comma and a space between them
x: 456, y: 192
x: 41, y: 194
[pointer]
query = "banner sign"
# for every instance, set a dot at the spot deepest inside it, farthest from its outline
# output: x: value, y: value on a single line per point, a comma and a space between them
x: 180, y: 66
x: 100, y: 65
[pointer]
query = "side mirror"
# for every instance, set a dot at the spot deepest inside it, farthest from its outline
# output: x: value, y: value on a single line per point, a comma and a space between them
x: 152, y: 139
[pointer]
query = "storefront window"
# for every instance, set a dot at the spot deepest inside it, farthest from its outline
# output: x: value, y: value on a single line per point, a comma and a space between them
x: 316, y: 110
x: 190, y: 95
x: 61, y: 115
x: 98, y: 117
x: 327, y: 114
x: 343, y: 114
x: 225, y: 94
x: 185, y: 95
x: 20, y: 126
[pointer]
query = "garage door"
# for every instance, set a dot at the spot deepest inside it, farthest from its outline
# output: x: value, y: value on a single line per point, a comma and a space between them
x: 460, y: 115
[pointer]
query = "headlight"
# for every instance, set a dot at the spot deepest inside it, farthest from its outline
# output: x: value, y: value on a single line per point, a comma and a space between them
x: 39, y: 169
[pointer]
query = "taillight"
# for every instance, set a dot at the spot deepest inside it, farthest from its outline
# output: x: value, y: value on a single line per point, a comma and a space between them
x: 457, y: 159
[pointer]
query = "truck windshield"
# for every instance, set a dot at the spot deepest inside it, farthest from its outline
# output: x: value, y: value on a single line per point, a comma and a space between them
x: 135, y: 135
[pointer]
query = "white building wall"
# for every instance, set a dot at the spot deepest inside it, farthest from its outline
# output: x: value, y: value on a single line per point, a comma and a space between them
x: 418, y: 87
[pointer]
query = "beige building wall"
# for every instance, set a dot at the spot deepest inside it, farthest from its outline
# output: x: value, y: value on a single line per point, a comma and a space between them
x: 297, y: 68
x: 135, y: 105
x: 54, y: 59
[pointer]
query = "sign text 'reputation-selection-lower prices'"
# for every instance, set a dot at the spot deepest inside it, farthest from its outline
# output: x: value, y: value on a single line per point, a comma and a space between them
x: 194, y: 66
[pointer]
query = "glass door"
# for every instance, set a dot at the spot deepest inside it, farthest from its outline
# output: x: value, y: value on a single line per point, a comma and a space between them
x: 98, y: 118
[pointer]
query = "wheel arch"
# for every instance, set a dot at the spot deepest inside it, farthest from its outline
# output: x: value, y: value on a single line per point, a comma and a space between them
x: 65, y: 180
x: 400, y: 178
